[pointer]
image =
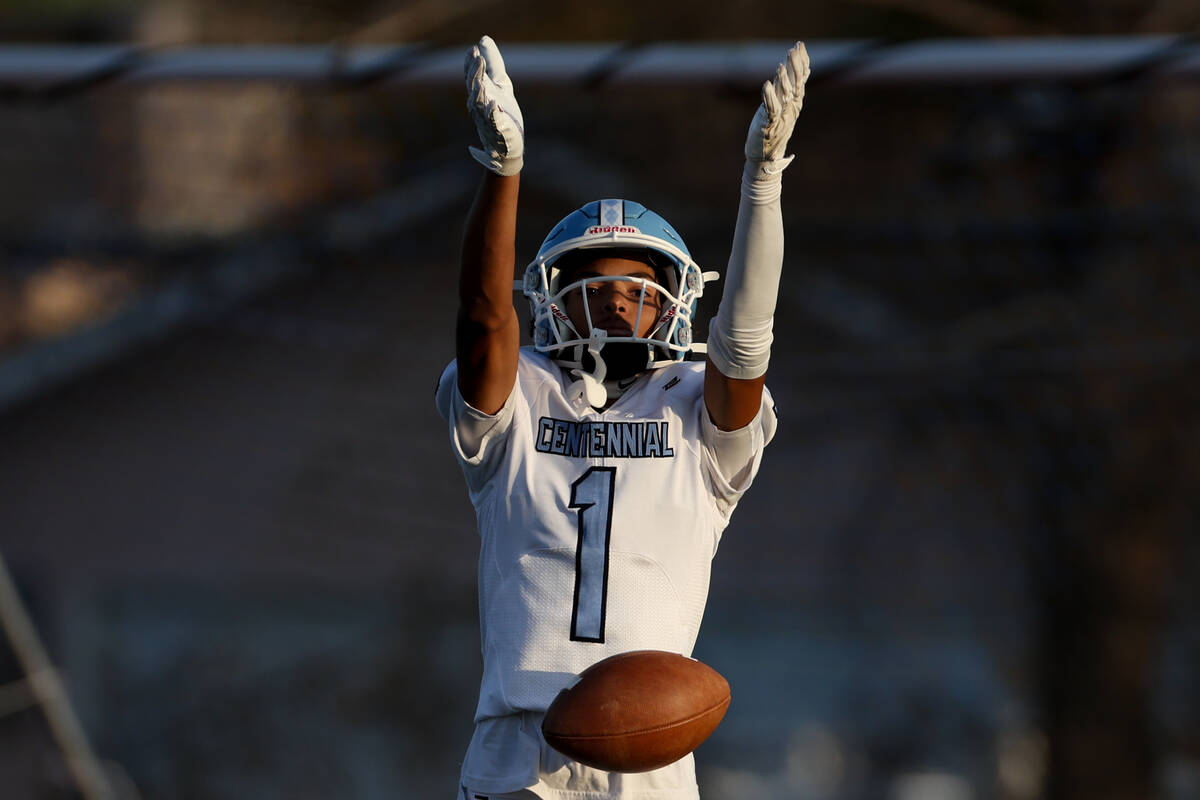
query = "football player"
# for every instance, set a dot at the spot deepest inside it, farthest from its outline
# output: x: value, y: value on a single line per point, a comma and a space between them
x: 602, y: 465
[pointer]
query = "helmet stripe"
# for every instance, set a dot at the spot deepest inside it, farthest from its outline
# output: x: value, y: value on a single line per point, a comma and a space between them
x: 612, y: 212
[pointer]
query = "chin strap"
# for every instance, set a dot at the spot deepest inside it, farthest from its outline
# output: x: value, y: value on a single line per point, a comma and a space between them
x: 590, y: 386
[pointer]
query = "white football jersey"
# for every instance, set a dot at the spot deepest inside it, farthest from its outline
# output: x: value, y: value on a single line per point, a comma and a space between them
x: 597, y: 528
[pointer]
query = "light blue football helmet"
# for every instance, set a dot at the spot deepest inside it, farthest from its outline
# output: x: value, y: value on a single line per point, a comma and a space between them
x: 608, y: 224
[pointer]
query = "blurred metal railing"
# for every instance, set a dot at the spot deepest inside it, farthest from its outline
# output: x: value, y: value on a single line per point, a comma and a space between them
x: 45, y: 688
x: 32, y: 70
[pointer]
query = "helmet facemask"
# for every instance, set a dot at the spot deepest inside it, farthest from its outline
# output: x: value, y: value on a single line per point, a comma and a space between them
x: 665, y: 341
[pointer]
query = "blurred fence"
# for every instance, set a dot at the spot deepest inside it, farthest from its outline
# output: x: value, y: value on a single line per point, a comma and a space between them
x: 50, y: 71
x: 978, y: 517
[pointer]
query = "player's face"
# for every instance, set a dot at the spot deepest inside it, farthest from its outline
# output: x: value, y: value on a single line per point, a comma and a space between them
x: 614, y: 305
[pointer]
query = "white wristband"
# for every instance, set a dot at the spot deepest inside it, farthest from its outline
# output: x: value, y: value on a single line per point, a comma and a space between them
x: 762, y: 181
x: 501, y: 165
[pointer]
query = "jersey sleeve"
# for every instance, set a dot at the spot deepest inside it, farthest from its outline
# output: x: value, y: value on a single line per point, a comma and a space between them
x: 478, y: 439
x: 732, y: 458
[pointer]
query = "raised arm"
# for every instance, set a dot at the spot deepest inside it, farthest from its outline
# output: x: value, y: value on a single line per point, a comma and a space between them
x: 487, y: 335
x: 739, y: 339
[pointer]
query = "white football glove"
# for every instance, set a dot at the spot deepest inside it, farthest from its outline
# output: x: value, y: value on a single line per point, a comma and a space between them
x: 782, y: 97
x: 494, y: 109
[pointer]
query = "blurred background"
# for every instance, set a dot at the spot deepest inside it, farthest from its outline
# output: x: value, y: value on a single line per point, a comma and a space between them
x: 968, y: 568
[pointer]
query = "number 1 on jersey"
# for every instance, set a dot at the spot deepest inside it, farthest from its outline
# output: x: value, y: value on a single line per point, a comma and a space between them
x: 592, y: 494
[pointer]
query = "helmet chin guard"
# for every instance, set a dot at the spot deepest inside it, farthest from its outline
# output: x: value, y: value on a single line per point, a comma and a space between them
x: 606, y: 225
x: 590, y: 385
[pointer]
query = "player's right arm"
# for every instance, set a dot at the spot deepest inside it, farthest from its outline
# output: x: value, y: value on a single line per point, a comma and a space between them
x: 487, y: 334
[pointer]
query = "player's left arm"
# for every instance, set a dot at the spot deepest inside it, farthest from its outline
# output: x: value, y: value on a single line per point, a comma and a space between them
x: 739, y: 340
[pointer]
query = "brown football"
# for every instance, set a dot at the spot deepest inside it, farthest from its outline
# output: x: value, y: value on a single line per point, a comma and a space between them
x: 637, y: 711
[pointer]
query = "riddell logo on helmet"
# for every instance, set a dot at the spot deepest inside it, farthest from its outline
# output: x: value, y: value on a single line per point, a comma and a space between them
x: 610, y: 229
